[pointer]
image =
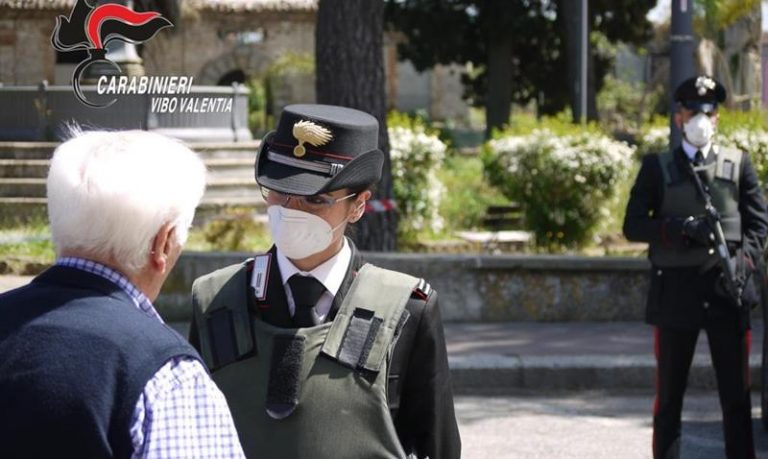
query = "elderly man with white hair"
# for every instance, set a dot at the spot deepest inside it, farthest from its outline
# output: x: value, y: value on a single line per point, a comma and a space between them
x: 87, y: 366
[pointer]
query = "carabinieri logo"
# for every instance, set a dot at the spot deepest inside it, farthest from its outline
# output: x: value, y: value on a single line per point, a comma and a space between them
x: 91, y: 28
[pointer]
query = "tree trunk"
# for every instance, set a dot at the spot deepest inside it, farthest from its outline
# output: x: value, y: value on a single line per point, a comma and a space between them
x: 350, y: 72
x: 570, y: 23
x: 742, y: 52
x: 591, y: 85
x: 498, y: 97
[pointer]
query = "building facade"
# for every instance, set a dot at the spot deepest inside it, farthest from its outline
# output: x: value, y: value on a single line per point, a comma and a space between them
x: 219, y: 42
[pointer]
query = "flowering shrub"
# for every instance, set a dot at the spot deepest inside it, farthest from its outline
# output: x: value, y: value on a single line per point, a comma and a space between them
x: 653, y: 140
x: 416, y: 155
x: 751, y: 140
x: 563, y: 183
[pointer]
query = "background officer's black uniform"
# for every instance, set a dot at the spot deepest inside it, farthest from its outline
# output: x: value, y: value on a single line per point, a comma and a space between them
x: 683, y: 301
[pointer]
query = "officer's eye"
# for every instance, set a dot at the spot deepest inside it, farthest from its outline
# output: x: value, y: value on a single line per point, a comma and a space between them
x: 316, y: 200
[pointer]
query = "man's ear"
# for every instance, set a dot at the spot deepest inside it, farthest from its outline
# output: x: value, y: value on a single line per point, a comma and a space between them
x: 161, y: 247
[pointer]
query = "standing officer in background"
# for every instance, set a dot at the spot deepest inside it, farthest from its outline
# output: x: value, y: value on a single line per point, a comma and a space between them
x: 318, y: 353
x: 687, y: 291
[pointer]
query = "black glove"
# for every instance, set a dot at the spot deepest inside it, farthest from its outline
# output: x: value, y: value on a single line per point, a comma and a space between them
x: 697, y: 229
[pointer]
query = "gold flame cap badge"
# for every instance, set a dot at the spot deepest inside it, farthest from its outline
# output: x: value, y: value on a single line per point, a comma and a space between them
x: 311, y: 133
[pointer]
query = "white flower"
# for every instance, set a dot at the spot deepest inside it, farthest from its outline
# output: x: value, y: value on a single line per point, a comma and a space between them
x: 416, y: 156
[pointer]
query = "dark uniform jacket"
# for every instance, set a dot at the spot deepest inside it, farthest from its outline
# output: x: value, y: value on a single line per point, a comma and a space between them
x: 685, y: 297
x: 420, y: 395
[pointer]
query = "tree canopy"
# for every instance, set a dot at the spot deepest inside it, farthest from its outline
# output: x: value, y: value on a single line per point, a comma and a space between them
x: 534, y: 35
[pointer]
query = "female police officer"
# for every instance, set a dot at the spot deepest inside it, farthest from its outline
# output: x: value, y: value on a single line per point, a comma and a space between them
x: 318, y: 353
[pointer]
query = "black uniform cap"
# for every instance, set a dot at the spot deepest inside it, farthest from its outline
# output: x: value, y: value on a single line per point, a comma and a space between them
x: 700, y: 94
x: 320, y: 148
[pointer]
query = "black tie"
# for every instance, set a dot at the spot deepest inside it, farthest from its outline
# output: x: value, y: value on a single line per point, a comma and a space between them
x: 306, y: 291
x: 698, y: 158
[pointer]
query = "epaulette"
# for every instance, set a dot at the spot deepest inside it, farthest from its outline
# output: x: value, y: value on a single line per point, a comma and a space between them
x: 422, y: 290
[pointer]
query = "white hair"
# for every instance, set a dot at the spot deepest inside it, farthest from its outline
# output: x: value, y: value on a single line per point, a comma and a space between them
x: 109, y: 193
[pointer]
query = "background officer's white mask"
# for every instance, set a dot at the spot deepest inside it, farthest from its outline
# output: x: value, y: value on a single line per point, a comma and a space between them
x: 299, y: 234
x: 699, y: 130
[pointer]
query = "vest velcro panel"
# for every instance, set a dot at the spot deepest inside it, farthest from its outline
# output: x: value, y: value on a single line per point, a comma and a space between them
x: 284, y: 386
x: 221, y: 308
x: 369, y: 318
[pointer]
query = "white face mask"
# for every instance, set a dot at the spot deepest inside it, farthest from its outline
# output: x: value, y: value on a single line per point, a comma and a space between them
x: 699, y: 130
x: 299, y: 234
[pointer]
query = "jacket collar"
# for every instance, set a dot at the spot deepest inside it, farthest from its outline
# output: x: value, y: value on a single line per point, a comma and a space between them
x: 66, y: 276
x: 273, y: 309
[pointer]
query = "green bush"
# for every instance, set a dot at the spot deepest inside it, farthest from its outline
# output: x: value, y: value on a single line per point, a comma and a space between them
x: 653, y: 139
x: 563, y: 183
x: 259, y: 121
x: 233, y: 231
x: 625, y: 106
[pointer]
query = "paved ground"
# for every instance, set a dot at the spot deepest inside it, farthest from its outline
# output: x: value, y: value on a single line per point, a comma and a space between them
x: 10, y: 282
x: 586, y: 425
x: 573, y: 355
x: 540, y: 423
x: 506, y: 356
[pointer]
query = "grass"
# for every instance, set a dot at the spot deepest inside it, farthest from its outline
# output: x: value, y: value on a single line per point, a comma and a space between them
x: 25, y: 247
x: 26, y: 243
x: 468, y: 193
x: 252, y: 241
x: 463, y: 206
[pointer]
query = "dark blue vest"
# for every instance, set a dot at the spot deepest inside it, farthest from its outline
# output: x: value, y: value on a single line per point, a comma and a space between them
x: 75, y: 354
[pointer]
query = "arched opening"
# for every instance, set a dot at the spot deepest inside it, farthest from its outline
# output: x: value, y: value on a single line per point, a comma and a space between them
x: 235, y: 76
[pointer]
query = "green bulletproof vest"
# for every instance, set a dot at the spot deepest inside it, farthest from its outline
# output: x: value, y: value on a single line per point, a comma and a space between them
x: 339, y: 409
x: 681, y: 199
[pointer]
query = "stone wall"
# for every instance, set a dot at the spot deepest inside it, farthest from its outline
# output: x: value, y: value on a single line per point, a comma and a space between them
x: 482, y: 287
x: 208, y: 44
x: 26, y: 54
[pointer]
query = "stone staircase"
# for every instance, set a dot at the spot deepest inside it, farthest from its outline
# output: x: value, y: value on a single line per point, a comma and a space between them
x: 24, y: 166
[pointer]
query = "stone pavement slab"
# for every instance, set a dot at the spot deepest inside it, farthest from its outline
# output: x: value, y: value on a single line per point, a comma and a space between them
x: 506, y: 356
x: 8, y: 282
x: 588, y: 424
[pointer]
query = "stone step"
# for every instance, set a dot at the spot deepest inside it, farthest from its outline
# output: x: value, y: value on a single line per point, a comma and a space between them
x: 246, y: 150
x: 224, y: 168
x: 231, y: 186
x: 24, y: 168
x: 21, y: 210
x: 38, y: 168
x: 22, y: 187
x: 44, y: 150
x: 216, y: 188
x: 27, y: 150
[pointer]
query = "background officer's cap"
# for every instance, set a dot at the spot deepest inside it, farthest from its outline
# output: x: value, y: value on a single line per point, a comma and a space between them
x: 700, y: 94
x: 320, y: 148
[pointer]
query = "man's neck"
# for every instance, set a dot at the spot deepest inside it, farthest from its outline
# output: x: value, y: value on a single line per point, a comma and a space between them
x: 141, y: 279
